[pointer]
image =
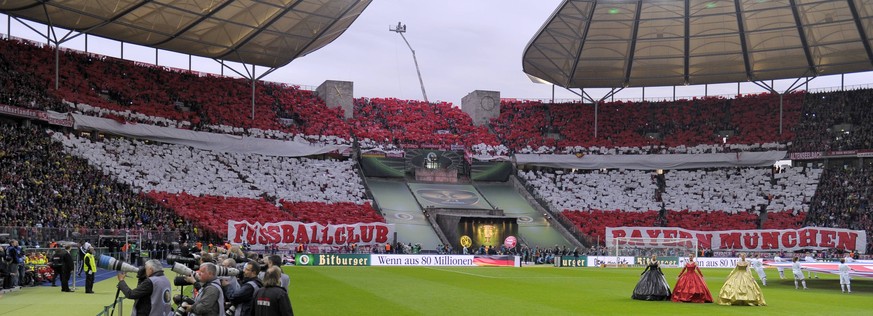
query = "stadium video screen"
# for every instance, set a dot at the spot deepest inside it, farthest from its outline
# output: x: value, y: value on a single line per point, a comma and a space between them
x: 486, y: 231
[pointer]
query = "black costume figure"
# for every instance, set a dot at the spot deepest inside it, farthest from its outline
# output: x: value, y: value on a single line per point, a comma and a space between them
x: 652, y: 285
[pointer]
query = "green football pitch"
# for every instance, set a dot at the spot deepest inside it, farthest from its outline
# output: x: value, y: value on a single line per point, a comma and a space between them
x: 484, y: 291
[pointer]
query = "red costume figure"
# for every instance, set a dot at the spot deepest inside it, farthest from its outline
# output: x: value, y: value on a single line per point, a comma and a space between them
x: 690, y: 287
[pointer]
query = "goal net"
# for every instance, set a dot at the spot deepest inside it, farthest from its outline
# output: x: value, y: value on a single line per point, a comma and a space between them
x: 625, y: 248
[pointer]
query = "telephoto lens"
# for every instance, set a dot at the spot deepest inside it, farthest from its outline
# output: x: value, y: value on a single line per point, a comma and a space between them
x: 109, y: 263
x: 222, y: 271
x: 171, y: 259
x: 182, y: 269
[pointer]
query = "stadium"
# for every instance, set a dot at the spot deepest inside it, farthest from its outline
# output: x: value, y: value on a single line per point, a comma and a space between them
x: 387, y: 205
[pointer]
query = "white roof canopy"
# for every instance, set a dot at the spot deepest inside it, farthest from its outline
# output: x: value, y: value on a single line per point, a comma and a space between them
x: 265, y: 33
x: 638, y: 43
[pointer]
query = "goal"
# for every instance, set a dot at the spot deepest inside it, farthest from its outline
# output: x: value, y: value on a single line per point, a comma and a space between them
x: 642, y: 248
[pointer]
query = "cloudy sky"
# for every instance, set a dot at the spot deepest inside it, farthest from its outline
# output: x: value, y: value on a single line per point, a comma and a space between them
x: 461, y: 46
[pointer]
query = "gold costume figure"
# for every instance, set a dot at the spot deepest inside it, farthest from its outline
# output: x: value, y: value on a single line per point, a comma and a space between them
x: 740, y: 287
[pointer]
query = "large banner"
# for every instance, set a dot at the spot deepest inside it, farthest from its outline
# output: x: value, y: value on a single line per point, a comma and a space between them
x: 308, y: 233
x: 54, y: 118
x: 444, y: 260
x: 709, y: 262
x: 463, y: 196
x: 664, y: 261
x: 423, y: 260
x: 490, y: 170
x: 817, y: 238
x: 571, y: 261
x: 596, y: 261
x: 383, y: 166
x: 343, y: 259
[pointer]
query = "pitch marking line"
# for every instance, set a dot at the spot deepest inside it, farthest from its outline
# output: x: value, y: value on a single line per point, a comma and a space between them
x: 504, y: 277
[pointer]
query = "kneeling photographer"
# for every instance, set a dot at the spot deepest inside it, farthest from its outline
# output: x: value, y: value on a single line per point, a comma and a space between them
x: 152, y: 294
x: 242, y: 297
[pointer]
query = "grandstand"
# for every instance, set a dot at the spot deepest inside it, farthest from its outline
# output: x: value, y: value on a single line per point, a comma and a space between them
x: 207, y: 187
x: 133, y: 155
x: 172, y: 149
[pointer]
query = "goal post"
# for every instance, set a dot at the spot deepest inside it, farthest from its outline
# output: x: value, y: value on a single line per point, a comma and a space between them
x: 643, y: 248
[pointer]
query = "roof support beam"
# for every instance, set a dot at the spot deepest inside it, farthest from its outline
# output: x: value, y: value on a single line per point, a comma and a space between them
x: 633, y: 43
x: 251, y: 75
x: 802, y: 33
x: 687, y: 41
x: 612, y: 92
x: 572, y: 73
x: 794, y: 86
x: 742, y: 34
x: 861, y: 31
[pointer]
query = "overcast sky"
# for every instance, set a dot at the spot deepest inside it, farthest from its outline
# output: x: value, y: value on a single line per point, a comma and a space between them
x: 461, y: 46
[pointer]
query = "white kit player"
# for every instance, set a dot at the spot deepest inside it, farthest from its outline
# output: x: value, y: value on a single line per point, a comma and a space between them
x: 845, y: 279
x: 758, y: 265
x: 797, y: 270
x: 781, y: 270
x: 809, y: 258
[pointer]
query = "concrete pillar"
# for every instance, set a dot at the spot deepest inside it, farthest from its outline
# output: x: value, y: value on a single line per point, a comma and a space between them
x: 481, y: 106
x: 337, y: 94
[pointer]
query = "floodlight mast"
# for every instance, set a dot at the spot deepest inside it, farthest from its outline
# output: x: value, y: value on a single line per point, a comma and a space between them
x: 400, y: 29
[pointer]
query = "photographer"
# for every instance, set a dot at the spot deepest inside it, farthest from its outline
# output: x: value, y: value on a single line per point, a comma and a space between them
x: 272, y: 299
x: 210, y: 300
x: 242, y: 298
x: 190, y: 280
x: 152, y: 295
x: 276, y: 261
x: 232, y: 284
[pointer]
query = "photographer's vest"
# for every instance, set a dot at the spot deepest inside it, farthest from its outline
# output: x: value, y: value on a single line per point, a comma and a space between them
x: 220, y: 297
x: 162, y: 295
x: 239, y: 311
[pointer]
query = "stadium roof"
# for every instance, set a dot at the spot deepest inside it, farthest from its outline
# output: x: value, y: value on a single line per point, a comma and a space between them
x: 265, y: 33
x: 638, y: 43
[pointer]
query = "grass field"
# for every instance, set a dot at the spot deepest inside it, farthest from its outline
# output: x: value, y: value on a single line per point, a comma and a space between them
x: 484, y: 291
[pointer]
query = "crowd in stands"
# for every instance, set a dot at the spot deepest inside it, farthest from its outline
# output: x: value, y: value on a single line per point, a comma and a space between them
x: 835, y: 121
x: 717, y: 199
x: 23, y: 87
x: 42, y: 186
x: 741, y: 189
x: 118, y: 183
x: 682, y: 126
x: 631, y: 190
x: 212, y: 212
x: 843, y: 200
x: 210, y: 187
x: 727, y: 189
x: 388, y: 124
x: 176, y: 168
x: 138, y: 93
